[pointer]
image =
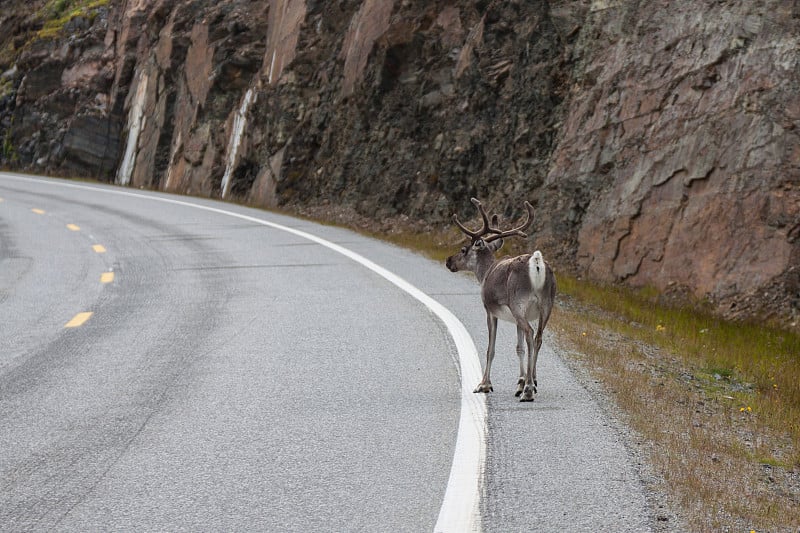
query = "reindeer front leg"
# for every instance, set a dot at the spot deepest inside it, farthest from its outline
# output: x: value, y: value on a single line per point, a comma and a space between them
x: 486, y: 383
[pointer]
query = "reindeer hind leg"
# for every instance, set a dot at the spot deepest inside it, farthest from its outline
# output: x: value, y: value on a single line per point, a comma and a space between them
x: 521, y: 356
x: 529, y: 388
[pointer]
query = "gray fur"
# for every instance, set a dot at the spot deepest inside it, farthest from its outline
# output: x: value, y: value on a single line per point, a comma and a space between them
x: 509, y: 293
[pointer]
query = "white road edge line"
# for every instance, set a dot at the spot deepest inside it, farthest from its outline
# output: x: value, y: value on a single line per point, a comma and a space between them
x: 460, y: 510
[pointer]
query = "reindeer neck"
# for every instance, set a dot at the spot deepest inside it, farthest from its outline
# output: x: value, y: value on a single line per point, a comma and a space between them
x: 484, y: 264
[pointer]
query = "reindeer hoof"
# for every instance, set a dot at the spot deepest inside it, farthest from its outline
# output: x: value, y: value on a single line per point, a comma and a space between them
x: 527, y: 394
x: 484, y: 387
x: 520, y: 387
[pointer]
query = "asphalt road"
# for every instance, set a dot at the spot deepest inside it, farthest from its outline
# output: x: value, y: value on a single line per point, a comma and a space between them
x: 235, y: 376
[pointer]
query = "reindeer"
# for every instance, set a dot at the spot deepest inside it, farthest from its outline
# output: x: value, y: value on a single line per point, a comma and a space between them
x: 515, y: 289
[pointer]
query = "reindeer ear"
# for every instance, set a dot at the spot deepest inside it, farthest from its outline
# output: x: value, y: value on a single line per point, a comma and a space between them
x: 495, y: 245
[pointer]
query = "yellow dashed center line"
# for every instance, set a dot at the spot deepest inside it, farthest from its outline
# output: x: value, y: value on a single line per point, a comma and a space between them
x: 78, y: 320
x: 106, y: 277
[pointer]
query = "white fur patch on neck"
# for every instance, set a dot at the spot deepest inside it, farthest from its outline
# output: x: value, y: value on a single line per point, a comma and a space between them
x: 537, y: 270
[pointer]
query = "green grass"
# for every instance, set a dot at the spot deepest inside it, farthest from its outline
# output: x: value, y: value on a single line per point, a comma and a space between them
x: 771, y: 461
x: 437, y: 249
x: 710, y: 432
x: 57, y: 13
x: 763, y: 359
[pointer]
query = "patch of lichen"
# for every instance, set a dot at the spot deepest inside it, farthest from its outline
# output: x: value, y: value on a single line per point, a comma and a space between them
x: 9, y: 153
x: 57, y: 13
x: 6, y: 87
x: 8, y: 54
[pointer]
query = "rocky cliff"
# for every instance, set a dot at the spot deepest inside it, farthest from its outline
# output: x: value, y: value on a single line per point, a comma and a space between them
x: 658, y: 141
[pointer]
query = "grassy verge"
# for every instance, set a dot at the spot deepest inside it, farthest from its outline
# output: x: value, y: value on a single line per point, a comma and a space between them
x: 760, y: 364
x: 717, y: 403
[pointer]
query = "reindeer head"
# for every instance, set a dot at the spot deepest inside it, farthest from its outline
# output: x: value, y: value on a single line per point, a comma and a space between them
x: 481, y: 249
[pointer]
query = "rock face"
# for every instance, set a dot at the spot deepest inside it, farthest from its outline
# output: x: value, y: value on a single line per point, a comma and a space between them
x: 683, y: 136
x: 658, y: 141
x: 54, y: 94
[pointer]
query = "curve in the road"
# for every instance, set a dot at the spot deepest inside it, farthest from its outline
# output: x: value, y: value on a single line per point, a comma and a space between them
x: 460, y: 510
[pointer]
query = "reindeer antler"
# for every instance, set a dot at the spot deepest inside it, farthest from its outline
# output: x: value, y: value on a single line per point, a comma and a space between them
x: 518, y: 231
x: 487, y: 228
x: 496, y: 232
